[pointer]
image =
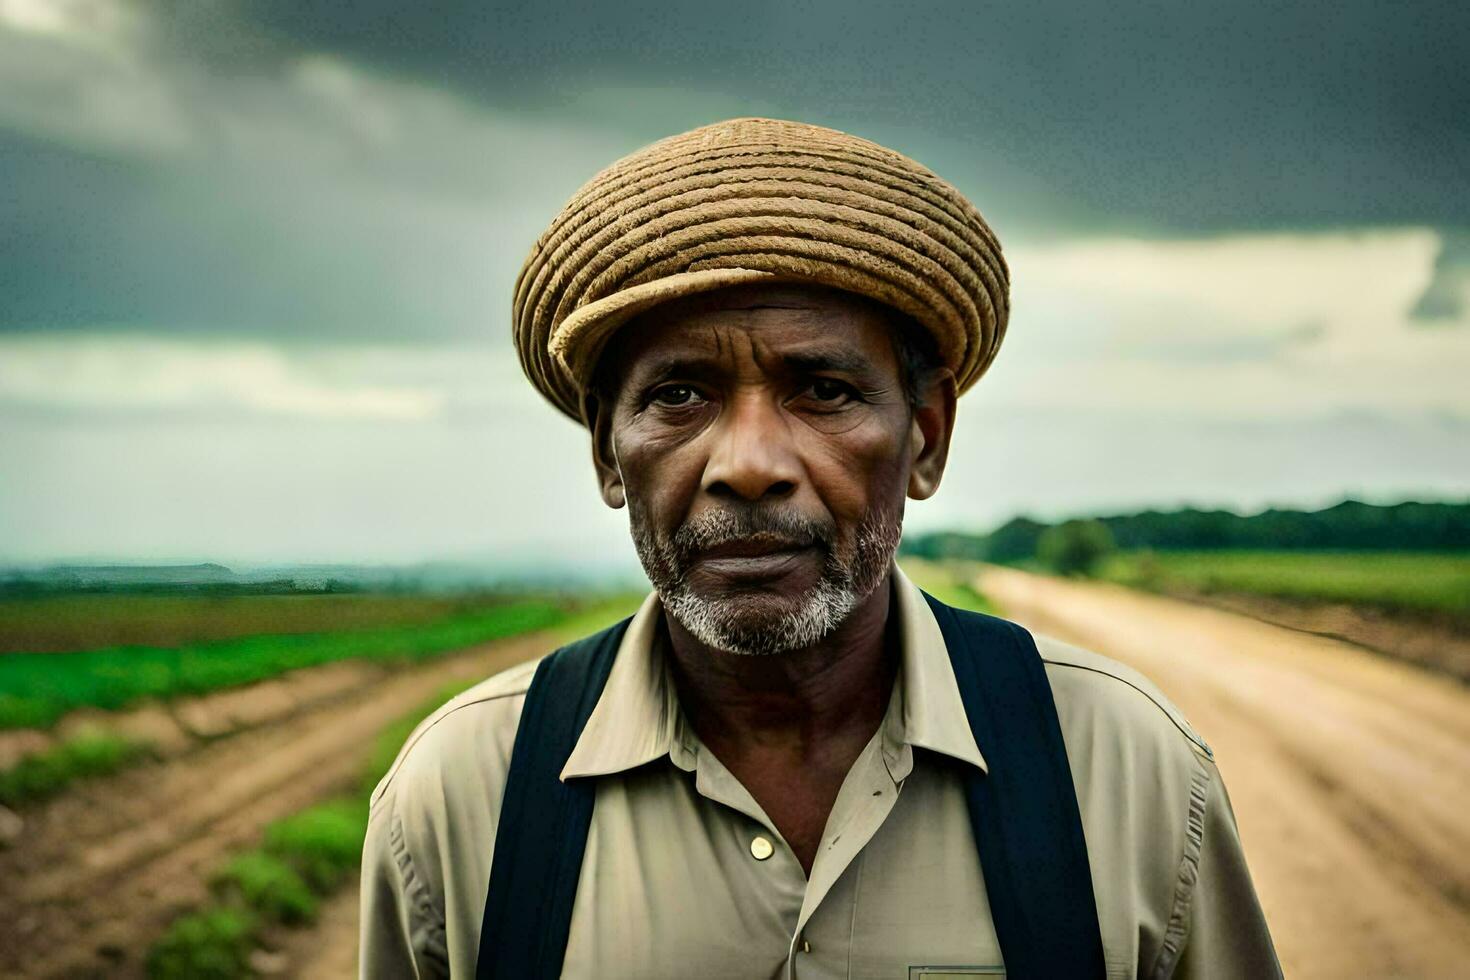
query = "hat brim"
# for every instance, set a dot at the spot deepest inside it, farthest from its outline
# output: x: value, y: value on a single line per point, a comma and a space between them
x: 578, y: 341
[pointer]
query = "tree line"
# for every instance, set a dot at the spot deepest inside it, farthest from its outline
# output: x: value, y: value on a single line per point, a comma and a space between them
x: 1349, y: 526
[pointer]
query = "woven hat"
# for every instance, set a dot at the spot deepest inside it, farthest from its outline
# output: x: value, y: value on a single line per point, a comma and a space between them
x: 757, y: 200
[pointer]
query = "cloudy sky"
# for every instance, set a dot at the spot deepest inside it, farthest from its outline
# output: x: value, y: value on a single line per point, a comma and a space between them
x: 256, y: 257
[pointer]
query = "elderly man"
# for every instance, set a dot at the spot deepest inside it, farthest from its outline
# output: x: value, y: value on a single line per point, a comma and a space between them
x: 791, y: 762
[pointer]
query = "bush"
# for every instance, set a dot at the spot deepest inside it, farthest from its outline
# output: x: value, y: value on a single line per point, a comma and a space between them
x: 1074, y: 547
x: 323, y: 843
x: 211, y: 945
x: 90, y: 752
x: 269, y: 886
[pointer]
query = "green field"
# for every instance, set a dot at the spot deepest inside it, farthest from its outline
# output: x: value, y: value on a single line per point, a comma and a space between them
x: 1405, y: 582
x: 38, y: 688
x: 90, y: 621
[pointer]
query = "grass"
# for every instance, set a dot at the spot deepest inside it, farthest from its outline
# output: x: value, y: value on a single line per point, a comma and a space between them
x: 268, y: 885
x: 322, y: 843
x: 212, y: 944
x: 308, y: 855
x: 89, y: 752
x: 946, y: 582
x: 1403, y: 582
x: 38, y: 688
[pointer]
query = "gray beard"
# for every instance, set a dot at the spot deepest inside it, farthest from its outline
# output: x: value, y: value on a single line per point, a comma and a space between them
x: 765, y: 625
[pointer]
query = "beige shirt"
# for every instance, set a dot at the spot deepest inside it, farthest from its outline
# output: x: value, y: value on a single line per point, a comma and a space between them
x: 685, y: 876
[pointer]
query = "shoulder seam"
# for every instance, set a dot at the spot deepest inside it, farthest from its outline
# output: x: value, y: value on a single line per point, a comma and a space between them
x: 1183, y: 729
x: 447, y: 710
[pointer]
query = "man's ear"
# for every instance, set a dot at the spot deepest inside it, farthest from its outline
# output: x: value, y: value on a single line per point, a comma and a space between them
x: 598, y: 414
x: 933, y: 424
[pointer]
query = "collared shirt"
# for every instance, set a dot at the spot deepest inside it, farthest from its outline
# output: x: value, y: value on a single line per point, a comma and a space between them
x: 685, y: 876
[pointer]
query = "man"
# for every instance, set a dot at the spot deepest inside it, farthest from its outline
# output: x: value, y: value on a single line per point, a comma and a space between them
x: 791, y: 762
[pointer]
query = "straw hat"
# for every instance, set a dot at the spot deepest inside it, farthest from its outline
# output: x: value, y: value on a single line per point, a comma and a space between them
x: 757, y: 200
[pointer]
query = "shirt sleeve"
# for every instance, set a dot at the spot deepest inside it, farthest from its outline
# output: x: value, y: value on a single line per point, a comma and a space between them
x: 401, y: 933
x: 1226, y: 933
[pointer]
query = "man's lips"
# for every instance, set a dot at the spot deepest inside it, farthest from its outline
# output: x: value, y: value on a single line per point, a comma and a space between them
x: 753, y: 546
x: 754, y: 557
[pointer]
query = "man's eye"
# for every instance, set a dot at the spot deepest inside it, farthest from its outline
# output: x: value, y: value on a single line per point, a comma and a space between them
x: 675, y: 395
x: 831, y: 392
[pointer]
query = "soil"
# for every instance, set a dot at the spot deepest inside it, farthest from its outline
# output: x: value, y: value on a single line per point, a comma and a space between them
x: 1349, y: 771
x: 96, y: 875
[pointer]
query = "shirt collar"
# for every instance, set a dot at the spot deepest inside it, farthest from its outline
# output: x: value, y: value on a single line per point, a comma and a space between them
x: 637, y: 718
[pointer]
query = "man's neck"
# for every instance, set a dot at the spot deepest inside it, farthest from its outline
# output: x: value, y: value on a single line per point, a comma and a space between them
x: 835, y: 689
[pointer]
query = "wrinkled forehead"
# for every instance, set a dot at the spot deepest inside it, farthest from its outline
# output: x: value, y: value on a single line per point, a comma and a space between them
x: 768, y: 327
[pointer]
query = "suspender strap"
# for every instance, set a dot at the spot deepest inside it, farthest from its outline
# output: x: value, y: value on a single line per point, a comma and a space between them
x: 542, y: 831
x: 1024, y: 812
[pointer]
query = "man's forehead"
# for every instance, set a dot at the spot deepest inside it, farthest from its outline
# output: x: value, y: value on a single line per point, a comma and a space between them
x: 766, y: 322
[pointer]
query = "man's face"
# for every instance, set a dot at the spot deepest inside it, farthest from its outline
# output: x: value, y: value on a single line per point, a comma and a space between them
x: 764, y: 442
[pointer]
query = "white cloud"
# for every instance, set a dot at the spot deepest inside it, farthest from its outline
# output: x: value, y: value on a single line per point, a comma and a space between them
x: 130, y: 373
x: 1242, y: 327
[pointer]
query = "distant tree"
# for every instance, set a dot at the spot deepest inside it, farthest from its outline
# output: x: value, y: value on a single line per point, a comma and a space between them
x: 1074, y: 547
x: 944, y: 545
x: 1016, y: 540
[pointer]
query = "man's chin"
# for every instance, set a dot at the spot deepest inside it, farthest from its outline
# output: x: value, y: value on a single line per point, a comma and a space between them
x: 761, y: 623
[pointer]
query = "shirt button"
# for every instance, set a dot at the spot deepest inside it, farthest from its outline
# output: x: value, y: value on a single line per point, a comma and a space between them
x: 760, y: 848
x: 806, y: 947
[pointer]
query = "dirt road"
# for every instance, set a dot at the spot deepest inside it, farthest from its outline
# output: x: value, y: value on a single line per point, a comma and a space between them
x: 1349, y: 772
x: 98, y: 874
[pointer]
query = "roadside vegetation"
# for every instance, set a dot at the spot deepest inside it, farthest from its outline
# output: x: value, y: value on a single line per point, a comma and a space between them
x: 1403, y: 582
x: 86, y: 753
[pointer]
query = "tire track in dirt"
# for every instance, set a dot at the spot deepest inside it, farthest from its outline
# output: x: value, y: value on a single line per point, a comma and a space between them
x: 1349, y: 772
x: 98, y: 874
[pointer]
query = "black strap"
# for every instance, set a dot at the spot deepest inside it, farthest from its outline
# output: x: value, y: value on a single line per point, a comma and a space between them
x: 1024, y: 812
x: 542, y: 831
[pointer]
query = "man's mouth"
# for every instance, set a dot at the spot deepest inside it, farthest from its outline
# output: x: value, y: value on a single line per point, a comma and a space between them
x: 754, y: 546
x: 756, y: 556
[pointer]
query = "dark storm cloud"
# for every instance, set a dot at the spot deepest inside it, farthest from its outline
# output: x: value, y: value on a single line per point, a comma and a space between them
x: 1172, y: 116
x: 221, y: 175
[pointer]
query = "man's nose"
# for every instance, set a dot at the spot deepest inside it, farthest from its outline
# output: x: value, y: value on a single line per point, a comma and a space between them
x: 752, y: 456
